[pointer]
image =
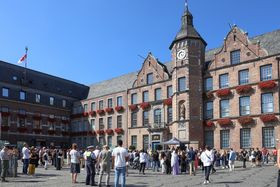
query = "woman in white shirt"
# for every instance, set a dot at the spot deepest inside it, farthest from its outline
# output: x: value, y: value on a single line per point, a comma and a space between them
x: 143, y: 160
x: 75, y: 162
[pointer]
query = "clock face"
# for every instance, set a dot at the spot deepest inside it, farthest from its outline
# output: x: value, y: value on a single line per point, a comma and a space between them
x: 181, y: 54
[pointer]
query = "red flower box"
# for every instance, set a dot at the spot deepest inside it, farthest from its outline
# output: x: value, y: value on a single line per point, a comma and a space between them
x: 223, y: 92
x: 92, y: 133
x: 119, y: 108
x: 243, y: 89
x: 22, y: 129
x: 267, y: 118
x: 100, y: 112
x: 51, y: 132
x: 145, y: 105
x: 37, y: 130
x: 209, y: 123
x: 109, y: 110
x: 209, y: 95
x: 5, y: 114
x: 92, y: 113
x: 266, y: 85
x: 245, y: 120
x: 133, y: 107
x: 119, y: 130
x: 85, y: 114
x: 109, y: 131
x: 224, y: 121
x: 100, y: 132
x: 5, y: 128
x: 167, y: 102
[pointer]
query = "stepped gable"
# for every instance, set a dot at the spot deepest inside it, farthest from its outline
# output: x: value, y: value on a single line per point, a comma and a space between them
x: 269, y: 41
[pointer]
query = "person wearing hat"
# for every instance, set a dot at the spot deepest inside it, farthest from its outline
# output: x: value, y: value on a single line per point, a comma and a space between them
x: 5, y: 157
x: 90, y: 159
x: 105, y: 163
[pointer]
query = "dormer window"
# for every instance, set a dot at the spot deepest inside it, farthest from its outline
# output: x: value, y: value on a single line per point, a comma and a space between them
x: 150, y: 78
x: 235, y: 57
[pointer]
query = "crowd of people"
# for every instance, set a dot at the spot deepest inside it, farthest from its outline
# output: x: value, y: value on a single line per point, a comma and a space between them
x: 96, y: 161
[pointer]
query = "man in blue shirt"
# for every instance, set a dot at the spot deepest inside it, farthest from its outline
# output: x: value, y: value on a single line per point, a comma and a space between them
x: 191, y: 159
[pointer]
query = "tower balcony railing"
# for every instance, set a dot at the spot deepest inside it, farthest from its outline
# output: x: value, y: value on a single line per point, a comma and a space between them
x: 157, y: 126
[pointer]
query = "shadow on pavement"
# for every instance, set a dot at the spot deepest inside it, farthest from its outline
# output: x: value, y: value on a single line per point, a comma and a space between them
x: 227, y: 182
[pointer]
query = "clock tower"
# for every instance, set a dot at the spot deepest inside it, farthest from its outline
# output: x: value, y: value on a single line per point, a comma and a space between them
x: 188, y: 56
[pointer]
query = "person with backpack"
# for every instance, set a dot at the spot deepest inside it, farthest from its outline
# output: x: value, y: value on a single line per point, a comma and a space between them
x: 90, y: 161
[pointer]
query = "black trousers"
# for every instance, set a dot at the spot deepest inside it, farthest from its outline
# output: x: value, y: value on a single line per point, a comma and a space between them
x: 58, y: 164
x: 142, y: 167
x: 168, y: 167
x: 244, y: 163
x: 90, y: 174
x: 207, y: 172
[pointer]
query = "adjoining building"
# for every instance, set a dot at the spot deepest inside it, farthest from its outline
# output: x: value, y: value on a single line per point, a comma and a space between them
x: 36, y: 107
x: 224, y: 97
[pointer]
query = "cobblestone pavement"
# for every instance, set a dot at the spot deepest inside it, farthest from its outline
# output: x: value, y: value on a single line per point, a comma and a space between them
x: 265, y: 176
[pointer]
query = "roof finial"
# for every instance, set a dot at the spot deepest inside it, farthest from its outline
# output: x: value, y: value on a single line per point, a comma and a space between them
x: 186, y: 5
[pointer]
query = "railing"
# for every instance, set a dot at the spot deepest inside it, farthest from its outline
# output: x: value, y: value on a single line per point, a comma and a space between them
x: 161, y: 125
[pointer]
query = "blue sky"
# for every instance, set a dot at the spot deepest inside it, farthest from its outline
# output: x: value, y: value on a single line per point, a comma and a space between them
x: 88, y: 41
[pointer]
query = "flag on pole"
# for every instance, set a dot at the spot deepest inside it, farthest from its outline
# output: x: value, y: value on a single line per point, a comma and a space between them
x: 22, y: 59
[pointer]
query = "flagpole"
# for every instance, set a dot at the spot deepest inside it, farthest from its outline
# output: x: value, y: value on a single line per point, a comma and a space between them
x: 25, y: 63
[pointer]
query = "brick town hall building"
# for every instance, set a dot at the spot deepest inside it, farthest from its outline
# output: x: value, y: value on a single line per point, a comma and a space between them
x: 224, y: 97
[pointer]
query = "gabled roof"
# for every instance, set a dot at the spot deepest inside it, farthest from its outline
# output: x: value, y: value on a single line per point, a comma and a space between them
x: 269, y: 41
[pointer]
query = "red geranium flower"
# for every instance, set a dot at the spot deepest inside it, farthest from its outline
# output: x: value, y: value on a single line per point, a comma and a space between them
x: 223, y: 93
x: 167, y: 102
x: 266, y: 85
x: 133, y: 107
x: 243, y: 89
x: 109, y: 131
x: 100, y: 132
x: 109, y: 110
x: 209, y: 123
x: 119, y: 108
x: 145, y: 105
x: 100, y: 112
x: 245, y: 120
x: 224, y: 121
x: 266, y: 118
x: 92, y: 113
x: 119, y: 130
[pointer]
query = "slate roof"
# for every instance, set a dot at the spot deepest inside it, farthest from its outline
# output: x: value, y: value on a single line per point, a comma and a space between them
x: 13, y: 74
x: 269, y: 41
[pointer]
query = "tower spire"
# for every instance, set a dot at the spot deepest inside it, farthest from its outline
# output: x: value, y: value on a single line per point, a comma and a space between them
x: 187, y: 28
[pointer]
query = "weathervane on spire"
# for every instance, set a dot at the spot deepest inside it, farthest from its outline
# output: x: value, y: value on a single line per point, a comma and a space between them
x: 186, y: 5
